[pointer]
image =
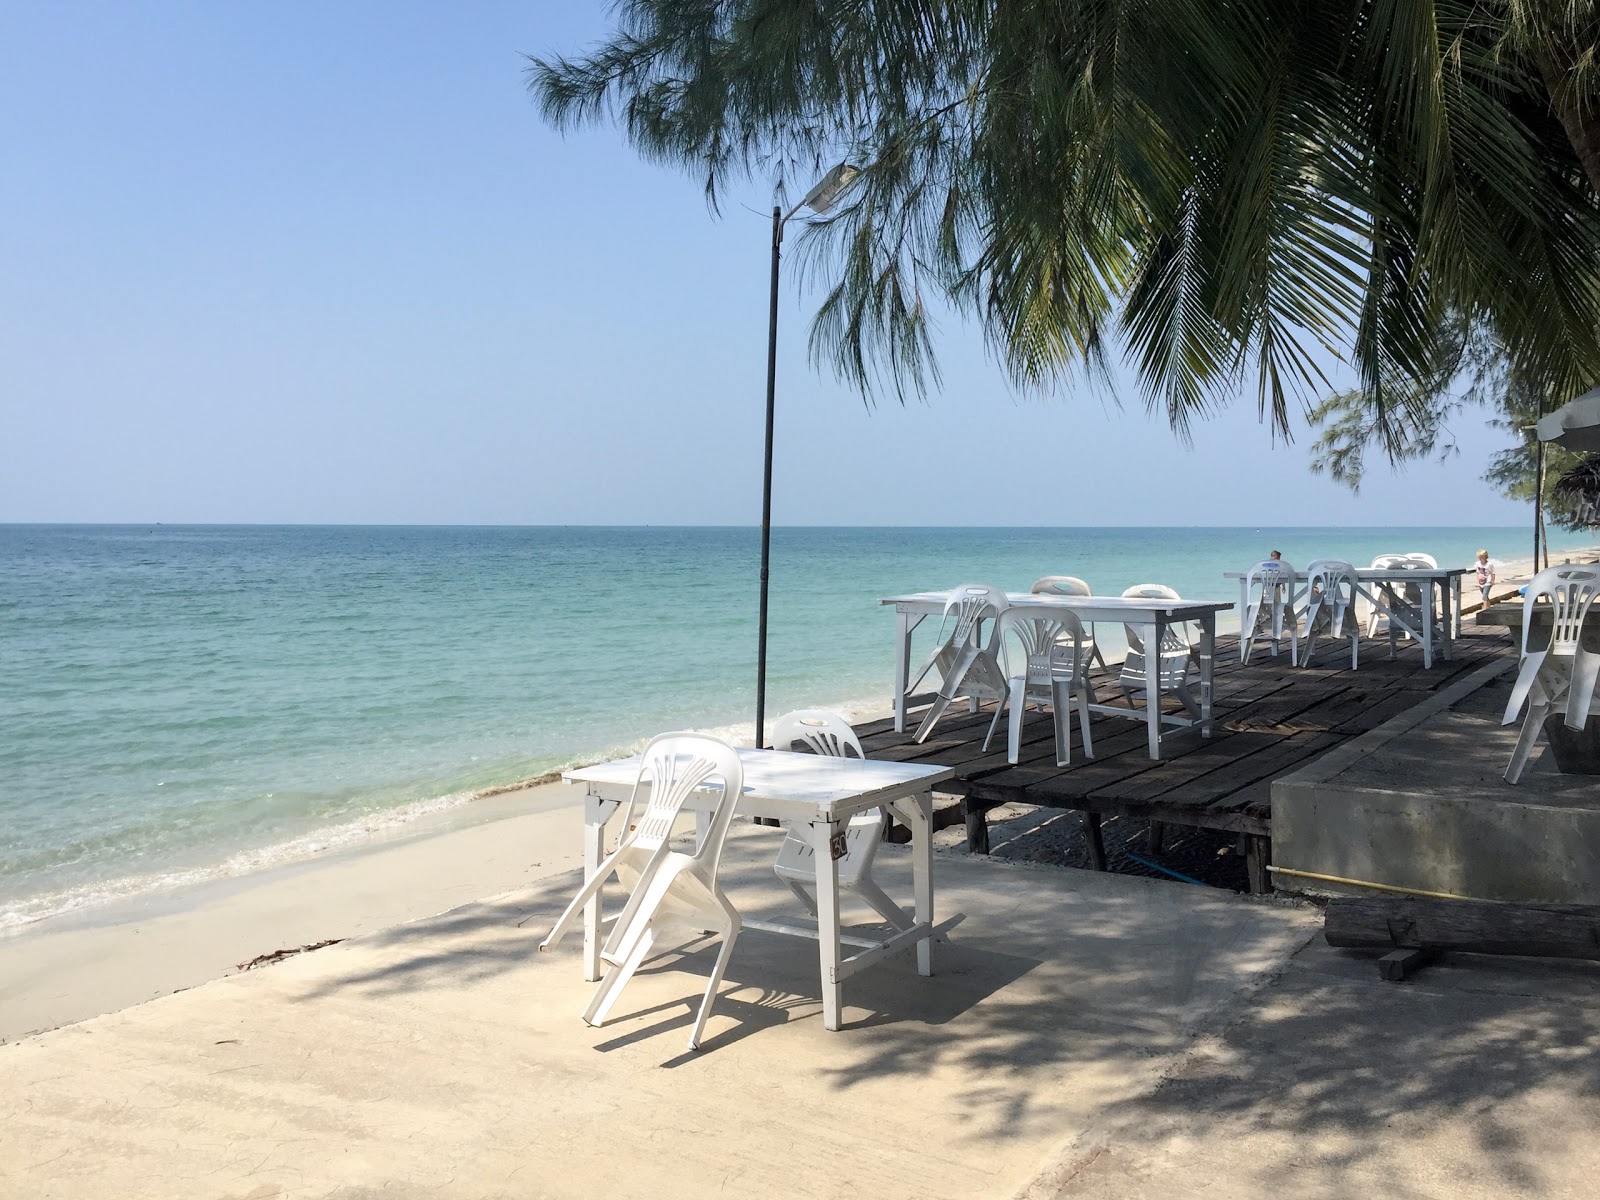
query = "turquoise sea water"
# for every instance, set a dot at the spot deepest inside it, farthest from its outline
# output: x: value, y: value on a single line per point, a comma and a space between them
x: 179, y: 702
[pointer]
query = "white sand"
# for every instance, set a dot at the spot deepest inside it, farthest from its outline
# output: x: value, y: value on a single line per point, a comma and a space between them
x: 71, y: 968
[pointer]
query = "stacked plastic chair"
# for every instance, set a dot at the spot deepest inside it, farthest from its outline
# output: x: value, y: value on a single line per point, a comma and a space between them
x: 828, y: 733
x: 1330, y: 601
x: 674, y: 889
x: 1560, y: 679
x: 969, y: 659
x: 1056, y: 672
x: 1390, y: 562
x: 1174, y: 657
x: 1069, y: 585
x: 1269, y: 586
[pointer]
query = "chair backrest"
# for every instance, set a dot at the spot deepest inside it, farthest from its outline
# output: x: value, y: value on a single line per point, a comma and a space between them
x: 1269, y: 572
x: 825, y: 732
x: 1048, y: 640
x: 1391, y: 562
x: 675, y: 765
x: 1571, y: 590
x: 1173, y: 638
x: 1419, y: 559
x: 1331, y: 581
x: 1060, y: 585
x: 974, y: 603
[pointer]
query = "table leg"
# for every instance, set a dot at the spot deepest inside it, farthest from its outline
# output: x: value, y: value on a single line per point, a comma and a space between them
x: 1447, y: 612
x: 921, y: 808
x: 1455, y: 595
x: 1152, y: 685
x: 1428, y: 626
x: 822, y: 834
x: 1244, y: 603
x: 596, y: 812
x: 904, y: 623
x: 1207, y: 655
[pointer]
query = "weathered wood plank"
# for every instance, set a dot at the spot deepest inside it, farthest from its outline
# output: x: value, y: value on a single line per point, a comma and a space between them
x: 1269, y: 719
x: 1398, y: 965
x: 1476, y: 926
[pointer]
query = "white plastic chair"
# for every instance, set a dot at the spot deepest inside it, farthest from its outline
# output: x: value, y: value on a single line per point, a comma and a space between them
x: 674, y: 888
x: 1424, y: 560
x: 1056, y: 672
x: 1386, y: 562
x: 1330, y: 598
x: 830, y: 734
x: 1560, y: 678
x: 1269, y: 586
x: 968, y: 660
x: 1175, y: 656
x: 1069, y: 585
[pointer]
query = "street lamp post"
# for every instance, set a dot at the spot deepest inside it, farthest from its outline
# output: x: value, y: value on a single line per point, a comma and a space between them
x: 819, y: 200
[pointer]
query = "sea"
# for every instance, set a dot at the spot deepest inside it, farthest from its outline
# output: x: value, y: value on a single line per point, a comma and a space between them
x: 179, y: 703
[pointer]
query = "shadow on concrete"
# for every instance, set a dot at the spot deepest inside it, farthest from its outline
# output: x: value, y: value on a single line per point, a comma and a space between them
x: 1479, y: 1077
x: 1044, y: 973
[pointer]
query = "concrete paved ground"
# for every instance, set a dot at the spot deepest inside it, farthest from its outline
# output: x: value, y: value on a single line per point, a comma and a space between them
x: 1480, y: 1077
x: 445, y: 1058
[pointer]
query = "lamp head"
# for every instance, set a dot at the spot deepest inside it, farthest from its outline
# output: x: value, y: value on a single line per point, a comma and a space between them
x: 828, y: 190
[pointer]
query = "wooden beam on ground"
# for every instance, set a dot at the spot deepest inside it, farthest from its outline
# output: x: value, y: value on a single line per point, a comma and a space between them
x: 1398, y: 965
x: 1474, y: 926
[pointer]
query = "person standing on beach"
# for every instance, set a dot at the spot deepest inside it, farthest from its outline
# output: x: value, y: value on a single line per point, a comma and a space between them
x: 1485, y: 570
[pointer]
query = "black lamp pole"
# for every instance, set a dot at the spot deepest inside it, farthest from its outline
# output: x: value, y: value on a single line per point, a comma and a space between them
x: 766, y: 485
x: 819, y: 200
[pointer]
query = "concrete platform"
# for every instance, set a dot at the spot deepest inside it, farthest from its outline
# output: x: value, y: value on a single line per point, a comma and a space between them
x: 1421, y: 804
x: 444, y: 1058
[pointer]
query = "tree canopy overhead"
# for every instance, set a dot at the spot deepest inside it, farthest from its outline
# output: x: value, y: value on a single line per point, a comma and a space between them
x: 1220, y: 190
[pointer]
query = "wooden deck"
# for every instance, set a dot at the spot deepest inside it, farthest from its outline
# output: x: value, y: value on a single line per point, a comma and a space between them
x: 1269, y: 719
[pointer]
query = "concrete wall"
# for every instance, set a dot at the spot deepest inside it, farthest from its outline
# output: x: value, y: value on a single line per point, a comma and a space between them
x: 1437, y: 830
x: 1459, y: 845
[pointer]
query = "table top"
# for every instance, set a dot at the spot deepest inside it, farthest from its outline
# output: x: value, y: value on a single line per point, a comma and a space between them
x: 1378, y: 574
x: 783, y: 783
x: 1109, y: 608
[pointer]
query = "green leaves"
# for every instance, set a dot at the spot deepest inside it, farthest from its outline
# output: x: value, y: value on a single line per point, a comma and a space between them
x: 1222, y: 191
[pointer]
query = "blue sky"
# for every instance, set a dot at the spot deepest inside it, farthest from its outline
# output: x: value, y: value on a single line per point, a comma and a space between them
x: 325, y: 263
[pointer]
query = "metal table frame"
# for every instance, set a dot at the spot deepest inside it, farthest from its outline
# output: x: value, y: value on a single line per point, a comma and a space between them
x: 808, y: 790
x: 1153, y: 616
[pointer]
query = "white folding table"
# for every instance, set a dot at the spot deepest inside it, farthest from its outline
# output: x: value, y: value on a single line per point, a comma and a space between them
x: 1377, y: 584
x: 810, y: 790
x: 1153, y: 616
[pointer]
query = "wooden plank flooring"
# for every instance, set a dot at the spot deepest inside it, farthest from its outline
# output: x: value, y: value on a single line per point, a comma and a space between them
x: 1270, y: 719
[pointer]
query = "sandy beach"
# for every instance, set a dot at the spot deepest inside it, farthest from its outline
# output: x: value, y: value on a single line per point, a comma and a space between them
x: 101, y: 960
x: 71, y: 968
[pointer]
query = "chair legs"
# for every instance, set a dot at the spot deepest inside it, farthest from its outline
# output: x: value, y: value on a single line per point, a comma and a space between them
x: 729, y: 936
x: 806, y: 898
x: 882, y: 903
x: 1532, y: 724
x: 616, y: 979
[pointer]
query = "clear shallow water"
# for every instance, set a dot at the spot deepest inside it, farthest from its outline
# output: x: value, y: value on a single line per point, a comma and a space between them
x: 182, y: 701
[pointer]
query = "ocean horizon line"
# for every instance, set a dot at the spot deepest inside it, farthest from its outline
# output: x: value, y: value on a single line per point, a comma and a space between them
x: 704, y: 526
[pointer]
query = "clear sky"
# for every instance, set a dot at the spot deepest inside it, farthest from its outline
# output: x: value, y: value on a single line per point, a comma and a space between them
x: 309, y: 262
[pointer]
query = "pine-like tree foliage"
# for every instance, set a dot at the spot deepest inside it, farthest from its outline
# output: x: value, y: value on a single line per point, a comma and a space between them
x: 1219, y: 190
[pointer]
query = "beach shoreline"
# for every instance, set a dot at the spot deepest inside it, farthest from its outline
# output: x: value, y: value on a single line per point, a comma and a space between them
x: 105, y: 957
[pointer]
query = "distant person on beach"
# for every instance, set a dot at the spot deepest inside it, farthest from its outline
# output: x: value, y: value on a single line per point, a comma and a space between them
x: 1276, y: 556
x: 1485, y: 569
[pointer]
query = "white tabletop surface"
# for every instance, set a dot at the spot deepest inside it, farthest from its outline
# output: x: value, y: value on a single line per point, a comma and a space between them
x: 1117, y: 604
x: 812, y: 781
x: 1377, y: 574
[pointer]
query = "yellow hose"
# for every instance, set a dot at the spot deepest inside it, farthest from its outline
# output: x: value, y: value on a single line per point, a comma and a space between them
x: 1381, y: 887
